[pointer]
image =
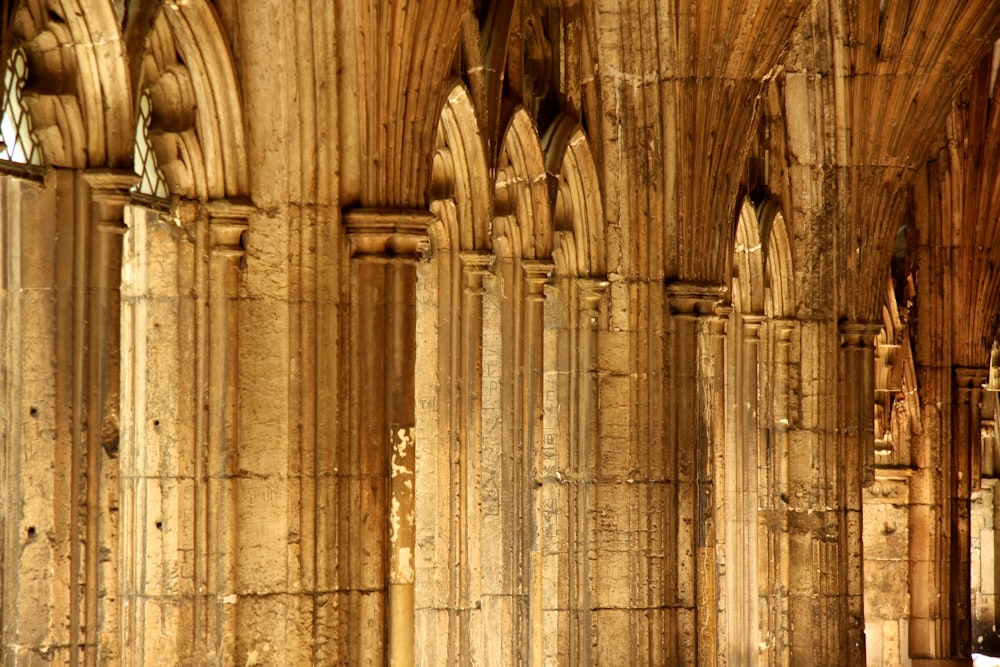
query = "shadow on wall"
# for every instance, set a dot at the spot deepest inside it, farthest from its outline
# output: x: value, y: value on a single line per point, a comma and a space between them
x: 985, y: 647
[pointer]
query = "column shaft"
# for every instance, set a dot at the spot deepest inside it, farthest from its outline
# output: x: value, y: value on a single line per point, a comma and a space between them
x: 696, y: 368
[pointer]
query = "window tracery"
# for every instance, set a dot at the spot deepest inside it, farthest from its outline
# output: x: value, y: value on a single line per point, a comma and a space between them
x: 151, y: 180
x: 19, y: 141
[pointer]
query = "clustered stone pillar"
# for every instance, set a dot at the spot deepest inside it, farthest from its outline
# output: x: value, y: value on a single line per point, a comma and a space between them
x: 741, y: 487
x: 384, y: 247
x: 108, y: 197
x: 62, y: 261
x: 965, y: 472
x: 773, y: 493
x: 582, y: 464
x: 179, y: 452
x: 497, y: 523
x: 217, y: 490
x: 61, y: 246
x: 35, y: 502
x: 696, y: 370
x: 467, y: 584
x: 529, y: 402
x: 855, y: 465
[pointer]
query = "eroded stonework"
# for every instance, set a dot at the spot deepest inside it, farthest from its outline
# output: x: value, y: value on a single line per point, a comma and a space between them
x: 500, y: 333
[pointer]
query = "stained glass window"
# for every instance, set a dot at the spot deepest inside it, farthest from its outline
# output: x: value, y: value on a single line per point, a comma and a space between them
x: 151, y: 181
x: 19, y: 143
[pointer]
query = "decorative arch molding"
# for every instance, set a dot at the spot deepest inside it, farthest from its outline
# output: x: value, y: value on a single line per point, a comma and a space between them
x: 779, y: 295
x: 77, y: 91
x: 197, y: 122
x: 460, y: 195
x: 577, y: 215
x: 523, y: 224
x: 748, y: 263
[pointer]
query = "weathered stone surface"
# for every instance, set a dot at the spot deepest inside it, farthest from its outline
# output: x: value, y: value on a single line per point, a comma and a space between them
x: 639, y: 332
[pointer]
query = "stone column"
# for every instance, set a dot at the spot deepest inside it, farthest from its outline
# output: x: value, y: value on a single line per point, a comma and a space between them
x: 822, y: 504
x: 582, y: 458
x: 108, y: 195
x: 179, y: 452
x: 940, y: 626
x: 158, y: 456
x: 741, y: 491
x: 468, y: 396
x: 34, y: 507
x: 773, y: 495
x: 855, y: 465
x: 696, y: 377
x: 217, y: 493
x: 962, y: 478
x: 384, y: 247
x: 530, y: 454
x: 448, y: 586
x: 496, y: 526
x: 62, y: 262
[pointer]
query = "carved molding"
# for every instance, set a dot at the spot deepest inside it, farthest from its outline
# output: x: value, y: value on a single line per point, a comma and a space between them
x: 854, y: 334
x: 388, y: 232
x: 110, y: 190
x: 197, y: 124
x: 696, y: 299
x: 967, y: 379
x: 228, y: 221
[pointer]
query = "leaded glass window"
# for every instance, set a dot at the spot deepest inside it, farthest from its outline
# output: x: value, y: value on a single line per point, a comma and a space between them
x: 19, y: 143
x: 151, y: 181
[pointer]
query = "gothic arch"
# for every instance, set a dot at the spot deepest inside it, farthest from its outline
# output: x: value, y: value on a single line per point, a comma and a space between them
x: 523, y: 215
x: 460, y: 193
x: 748, y: 263
x: 77, y: 92
x: 578, y: 211
x: 780, y: 293
x: 197, y: 129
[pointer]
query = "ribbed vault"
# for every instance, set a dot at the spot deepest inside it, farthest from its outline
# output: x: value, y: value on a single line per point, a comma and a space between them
x: 679, y: 106
x: 396, y: 58
x: 898, y: 65
x: 974, y: 148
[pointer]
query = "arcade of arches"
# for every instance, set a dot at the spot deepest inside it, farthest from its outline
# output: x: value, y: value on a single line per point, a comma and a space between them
x: 517, y: 332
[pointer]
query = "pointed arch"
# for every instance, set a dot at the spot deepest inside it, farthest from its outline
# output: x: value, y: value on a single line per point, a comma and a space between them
x: 748, y: 263
x: 524, y: 217
x: 459, y: 172
x: 78, y: 90
x: 778, y: 266
x: 577, y: 200
x: 197, y: 129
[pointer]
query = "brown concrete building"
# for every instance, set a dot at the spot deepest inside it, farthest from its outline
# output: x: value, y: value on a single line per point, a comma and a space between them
x: 459, y: 332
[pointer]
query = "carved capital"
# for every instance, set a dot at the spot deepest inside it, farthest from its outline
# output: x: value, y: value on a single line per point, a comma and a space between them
x: 110, y: 192
x: 965, y: 379
x: 475, y: 262
x: 858, y: 335
x: 695, y: 299
x: 752, y: 324
x: 783, y: 329
x: 228, y: 220
x: 591, y: 291
x: 474, y: 266
x: 537, y: 273
x: 388, y: 232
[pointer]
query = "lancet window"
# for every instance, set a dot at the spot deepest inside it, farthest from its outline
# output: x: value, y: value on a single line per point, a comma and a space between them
x: 19, y: 142
x: 151, y: 181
